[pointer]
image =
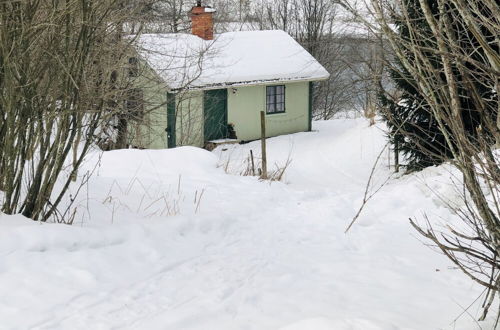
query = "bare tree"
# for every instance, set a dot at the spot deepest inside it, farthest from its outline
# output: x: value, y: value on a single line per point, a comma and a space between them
x: 166, y: 16
x: 450, y: 55
x: 58, y: 85
x: 353, y: 57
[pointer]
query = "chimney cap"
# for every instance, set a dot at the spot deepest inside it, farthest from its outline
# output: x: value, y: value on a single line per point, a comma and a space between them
x: 201, y: 10
x: 198, y: 3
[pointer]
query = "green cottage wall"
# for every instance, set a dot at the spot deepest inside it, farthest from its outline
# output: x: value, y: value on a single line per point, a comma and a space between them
x: 158, y: 118
x: 244, y: 106
x: 246, y: 103
x: 151, y: 132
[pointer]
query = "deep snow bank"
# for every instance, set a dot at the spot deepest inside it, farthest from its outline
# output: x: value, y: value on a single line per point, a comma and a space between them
x: 156, y: 163
x: 167, y: 240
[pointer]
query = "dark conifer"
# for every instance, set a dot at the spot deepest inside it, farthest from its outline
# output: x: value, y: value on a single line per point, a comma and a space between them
x: 412, y: 126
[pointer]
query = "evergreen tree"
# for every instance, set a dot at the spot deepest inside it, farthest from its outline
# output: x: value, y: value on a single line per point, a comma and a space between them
x: 412, y: 128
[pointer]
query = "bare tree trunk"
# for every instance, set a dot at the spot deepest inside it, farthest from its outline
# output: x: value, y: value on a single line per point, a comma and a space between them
x: 56, y: 60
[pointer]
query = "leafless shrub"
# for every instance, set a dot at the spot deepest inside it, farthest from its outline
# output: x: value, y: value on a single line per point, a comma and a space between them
x: 450, y: 56
x: 278, y: 173
x: 154, y: 202
x: 60, y: 80
x: 251, y: 166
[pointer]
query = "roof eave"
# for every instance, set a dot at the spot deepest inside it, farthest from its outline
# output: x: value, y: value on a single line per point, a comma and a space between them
x: 249, y: 83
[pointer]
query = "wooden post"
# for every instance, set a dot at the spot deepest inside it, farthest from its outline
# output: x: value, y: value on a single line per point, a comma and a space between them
x: 253, y: 164
x: 263, y: 144
x: 396, y: 155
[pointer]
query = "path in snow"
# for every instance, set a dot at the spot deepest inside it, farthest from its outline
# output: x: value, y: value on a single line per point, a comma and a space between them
x: 249, y: 255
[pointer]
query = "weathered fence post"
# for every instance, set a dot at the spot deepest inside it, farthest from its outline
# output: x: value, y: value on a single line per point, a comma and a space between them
x: 396, y: 155
x: 263, y: 144
x: 253, y: 164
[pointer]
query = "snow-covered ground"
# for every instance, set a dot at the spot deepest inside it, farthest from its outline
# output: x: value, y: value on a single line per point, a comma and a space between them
x: 175, y: 239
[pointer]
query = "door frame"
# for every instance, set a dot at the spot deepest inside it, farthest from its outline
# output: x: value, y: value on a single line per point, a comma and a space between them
x: 225, y: 120
x: 170, y: 129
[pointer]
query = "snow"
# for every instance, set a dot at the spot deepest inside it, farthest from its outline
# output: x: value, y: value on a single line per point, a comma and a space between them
x: 168, y: 240
x: 232, y: 59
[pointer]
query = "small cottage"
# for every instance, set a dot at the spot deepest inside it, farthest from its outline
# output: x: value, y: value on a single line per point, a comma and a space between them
x: 202, y: 88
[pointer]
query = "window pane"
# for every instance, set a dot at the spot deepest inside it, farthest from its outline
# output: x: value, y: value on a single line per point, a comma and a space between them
x: 275, y: 99
x: 271, y: 107
x: 280, y: 98
x: 270, y: 90
x: 269, y: 103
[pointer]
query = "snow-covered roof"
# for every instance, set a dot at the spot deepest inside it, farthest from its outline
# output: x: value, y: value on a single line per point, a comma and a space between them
x: 231, y: 59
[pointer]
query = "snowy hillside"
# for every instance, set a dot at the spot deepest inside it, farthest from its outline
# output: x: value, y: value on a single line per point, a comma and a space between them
x: 176, y: 239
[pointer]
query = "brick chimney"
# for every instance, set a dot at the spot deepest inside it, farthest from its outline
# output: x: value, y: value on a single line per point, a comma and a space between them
x: 202, y: 24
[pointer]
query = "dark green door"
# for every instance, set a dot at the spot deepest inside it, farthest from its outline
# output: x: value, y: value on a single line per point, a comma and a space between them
x: 215, y: 108
x: 170, y: 120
